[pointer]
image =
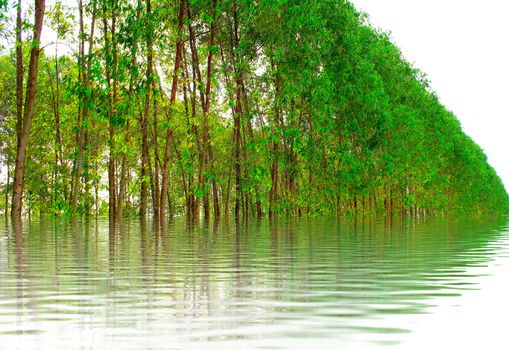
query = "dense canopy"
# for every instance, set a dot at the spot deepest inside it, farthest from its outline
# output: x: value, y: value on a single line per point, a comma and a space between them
x: 213, y: 108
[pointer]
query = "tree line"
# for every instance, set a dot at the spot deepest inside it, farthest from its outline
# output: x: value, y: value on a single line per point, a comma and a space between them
x: 219, y: 108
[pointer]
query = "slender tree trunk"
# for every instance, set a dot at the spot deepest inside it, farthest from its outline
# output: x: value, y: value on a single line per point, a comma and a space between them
x: 112, y: 176
x: 124, y: 167
x: 157, y: 159
x: 199, y: 148
x: 76, y: 189
x: 144, y: 166
x: 247, y: 112
x: 197, y: 81
x: 228, y: 192
x: 232, y: 153
x: 84, y: 68
x: 237, y: 116
x: 153, y: 190
x: 86, y: 107
x: 274, y: 168
x: 206, y: 156
x: 28, y: 112
x: 96, y: 183
x: 55, y: 93
x: 7, y: 191
x: 236, y: 133
x: 19, y: 73
x: 111, y: 69
x: 206, y: 111
x: 123, y: 174
x: 144, y: 123
x: 19, y: 89
x: 173, y: 97
x: 191, y: 129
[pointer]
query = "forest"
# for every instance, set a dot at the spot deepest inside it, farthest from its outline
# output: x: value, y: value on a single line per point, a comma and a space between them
x: 223, y: 108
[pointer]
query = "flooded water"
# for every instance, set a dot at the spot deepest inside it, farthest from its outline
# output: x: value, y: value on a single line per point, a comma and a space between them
x: 289, y: 284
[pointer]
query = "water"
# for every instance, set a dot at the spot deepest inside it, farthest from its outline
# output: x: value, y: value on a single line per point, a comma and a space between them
x: 308, y: 283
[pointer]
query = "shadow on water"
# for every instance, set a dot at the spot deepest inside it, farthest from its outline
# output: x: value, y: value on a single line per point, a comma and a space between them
x: 138, y: 283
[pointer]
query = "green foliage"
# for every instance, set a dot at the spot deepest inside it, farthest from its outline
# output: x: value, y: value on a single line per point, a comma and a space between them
x: 333, y: 120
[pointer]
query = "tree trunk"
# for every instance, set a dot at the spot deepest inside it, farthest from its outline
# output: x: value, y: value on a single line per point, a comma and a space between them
x: 169, y: 132
x: 123, y: 173
x: 83, y: 68
x: 7, y: 191
x: 157, y: 159
x: 124, y: 170
x: 19, y: 73
x: 112, y: 176
x: 191, y: 128
x: 144, y: 122
x: 28, y: 112
x: 206, y: 132
x: 207, y: 157
x: 111, y: 61
x: 55, y: 92
x: 237, y: 116
x: 144, y: 166
x: 197, y: 81
x: 274, y: 169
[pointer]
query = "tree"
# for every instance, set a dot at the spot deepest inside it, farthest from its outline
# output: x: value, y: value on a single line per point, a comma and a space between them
x: 229, y: 108
x: 28, y: 112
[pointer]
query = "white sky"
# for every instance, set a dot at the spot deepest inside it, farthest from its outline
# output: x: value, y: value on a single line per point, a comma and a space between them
x: 463, y: 47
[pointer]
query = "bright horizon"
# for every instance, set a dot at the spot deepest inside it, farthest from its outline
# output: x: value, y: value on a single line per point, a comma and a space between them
x: 462, y: 47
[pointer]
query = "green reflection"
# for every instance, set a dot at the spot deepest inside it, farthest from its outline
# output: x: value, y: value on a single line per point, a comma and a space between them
x: 309, y: 278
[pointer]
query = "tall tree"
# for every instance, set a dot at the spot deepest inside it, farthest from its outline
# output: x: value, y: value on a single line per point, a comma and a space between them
x: 240, y: 105
x: 173, y: 98
x: 145, y: 116
x: 28, y: 112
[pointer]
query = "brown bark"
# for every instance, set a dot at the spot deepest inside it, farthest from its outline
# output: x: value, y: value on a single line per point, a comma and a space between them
x: 19, y: 73
x: 84, y: 68
x: 157, y: 159
x: 123, y: 175
x: 247, y: 111
x: 236, y: 133
x: 153, y: 190
x: 206, y: 155
x: 19, y: 88
x: 232, y: 156
x: 191, y: 128
x: 237, y: 115
x: 55, y: 104
x: 124, y: 166
x: 7, y: 190
x: 206, y: 111
x: 111, y: 70
x: 195, y: 131
x: 28, y: 112
x: 173, y: 97
x: 274, y: 168
x: 86, y: 144
x: 144, y: 166
x: 197, y: 81
x: 112, y: 176
x: 144, y: 124
x: 80, y: 137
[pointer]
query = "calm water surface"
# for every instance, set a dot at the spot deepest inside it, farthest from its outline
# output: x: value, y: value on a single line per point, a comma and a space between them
x: 310, y: 284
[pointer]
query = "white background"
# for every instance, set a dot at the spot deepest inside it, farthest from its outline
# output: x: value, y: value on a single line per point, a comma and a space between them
x: 463, y: 47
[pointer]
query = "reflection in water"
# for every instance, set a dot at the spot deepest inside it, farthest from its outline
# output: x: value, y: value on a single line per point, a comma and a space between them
x: 266, y: 283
